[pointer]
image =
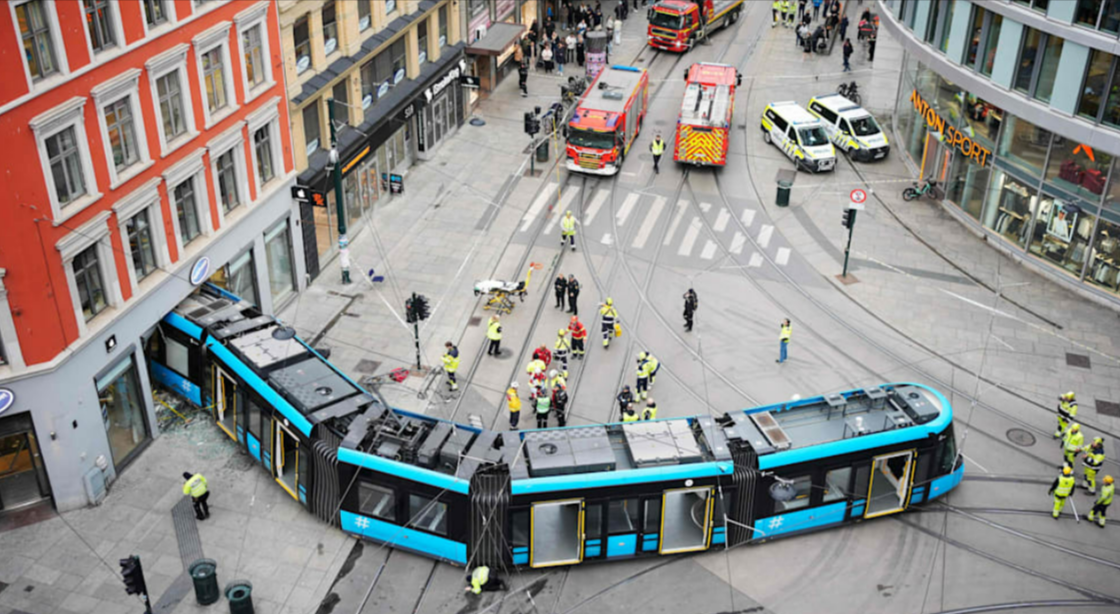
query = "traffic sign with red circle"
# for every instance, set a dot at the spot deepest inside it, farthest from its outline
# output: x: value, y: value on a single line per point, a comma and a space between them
x: 858, y: 197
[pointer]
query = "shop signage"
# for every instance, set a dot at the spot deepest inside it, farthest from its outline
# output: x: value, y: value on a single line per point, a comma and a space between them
x: 303, y: 63
x: 953, y: 137
x: 363, y: 23
x: 381, y: 91
x: 7, y: 397
x: 200, y: 272
x: 408, y: 111
x: 330, y: 45
x: 398, y: 76
x: 470, y: 81
x: 392, y: 182
x: 451, y: 76
x: 422, y: 57
x: 355, y: 160
x: 367, y: 101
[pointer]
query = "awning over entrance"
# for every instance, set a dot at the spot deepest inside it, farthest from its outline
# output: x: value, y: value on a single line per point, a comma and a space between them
x: 498, y: 38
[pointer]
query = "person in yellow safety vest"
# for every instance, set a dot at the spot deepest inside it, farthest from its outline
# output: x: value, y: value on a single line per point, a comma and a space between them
x: 481, y: 581
x: 629, y: 414
x: 536, y: 370
x: 195, y: 486
x: 784, y: 341
x: 494, y: 334
x: 608, y: 314
x: 513, y: 401
x: 562, y: 349
x: 642, y: 388
x: 1094, y: 458
x: 568, y: 230
x: 790, y: 11
x: 776, y: 12
x: 543, y: 407
x: 657, y: 147
x: 1061, y: 489
x: 650, y: 412
x: 1103, y: 501
x: 1067, y: 411
x: 557, y: 379
x: 1074, y: 441
x: 451, y: 364
x: 654, y: 367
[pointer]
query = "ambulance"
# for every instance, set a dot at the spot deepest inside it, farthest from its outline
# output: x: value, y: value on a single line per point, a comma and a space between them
x: 850, y: 127
x: 800, y: 135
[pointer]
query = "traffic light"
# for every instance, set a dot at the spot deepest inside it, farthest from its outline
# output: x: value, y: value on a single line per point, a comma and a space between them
x: 133, y: 575
x: 849, y: 218
x: 420, y: 306
x: 410, y: 311
x: 528, y: 122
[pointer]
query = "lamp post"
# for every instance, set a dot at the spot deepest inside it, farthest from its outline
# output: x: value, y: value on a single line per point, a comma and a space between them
x: 343, y: 242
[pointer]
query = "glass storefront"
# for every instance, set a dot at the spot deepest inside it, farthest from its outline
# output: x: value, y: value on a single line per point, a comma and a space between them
x: 278, y: 251
x: 23, y: 478
x: 1055, y: 199
x: 239, y: 277
x: 122, y: 410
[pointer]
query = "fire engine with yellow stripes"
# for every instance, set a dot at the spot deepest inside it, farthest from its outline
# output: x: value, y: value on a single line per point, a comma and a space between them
x: 704, y: 125
x: 607, y: 120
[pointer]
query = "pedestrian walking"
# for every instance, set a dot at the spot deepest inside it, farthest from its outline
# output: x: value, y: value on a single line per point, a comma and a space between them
x: 618, y: 31
x: 560, y: 286
x: 560, y: 405
x: 776, y: 11
x: 494, y: 334
x: 784, y: 341
x: 195, y: 486
x: 562, y: 350
x: 579, y: 336
x: 1094, y: 459
x: 1103, y: 501
x: 801, y: 9
x: 1072, y: 444
x: 561, y: 56
x: 608, y: 314
x: 657, y: 147
x: 844, y: 28
x: 691, y: 303
x: 1061, y: 489
x: 610, y: 34
x: 625, y: 399
x: 871, y: 39
x: 1067, y: 411
x: 568, y: 230
x: 816, y: 9
x: 451, y: 364
x: 513, y: 402
x: 523, y: 78
x: 848, y: 49
x: 543, y: 405
x: 642, y: 387
x: 650, y: 412
x: 573, y: 295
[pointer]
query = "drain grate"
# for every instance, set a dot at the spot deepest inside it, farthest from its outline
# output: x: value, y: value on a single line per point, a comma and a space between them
x: 1077, y: 360
x: 369, y: 367
x: 1108, y: 408
x: 1021, y: 437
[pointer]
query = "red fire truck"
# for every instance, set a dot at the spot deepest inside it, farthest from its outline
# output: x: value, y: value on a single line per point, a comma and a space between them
x: 704, y: 125
x: 676, y: 25
x: 607, y: 120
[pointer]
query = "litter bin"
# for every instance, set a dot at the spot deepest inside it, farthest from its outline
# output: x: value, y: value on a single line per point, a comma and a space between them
x: 240, y: 595
x: 785, y: 182
x: 542, y: 151
x: 205, y: 577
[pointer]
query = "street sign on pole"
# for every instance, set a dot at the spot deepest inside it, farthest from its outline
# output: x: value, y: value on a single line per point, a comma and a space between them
x: 858, y: 198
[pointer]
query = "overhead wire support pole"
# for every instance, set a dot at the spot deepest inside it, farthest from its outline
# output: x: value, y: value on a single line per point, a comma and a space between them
x: 343, y: 241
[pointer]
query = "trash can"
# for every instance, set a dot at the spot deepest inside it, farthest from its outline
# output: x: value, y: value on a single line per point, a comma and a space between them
x: 542, y: 151
x: 205, y: 577
x: 785, y: 182
x: 240, y: 595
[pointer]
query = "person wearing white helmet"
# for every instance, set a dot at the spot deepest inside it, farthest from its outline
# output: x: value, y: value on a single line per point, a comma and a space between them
x: 513, y: 401
x: 562, y: 350
x: 557, y: 379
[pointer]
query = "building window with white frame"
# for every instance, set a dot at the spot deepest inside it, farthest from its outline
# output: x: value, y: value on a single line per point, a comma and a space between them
x: 155, y: 13
x: 91, y: 287
x: 422, y: 43
x: 140, y: 220
x: 67, y: 170
x: 167, y: 76
x: 99, y: 24
x: 214, y: 80
x: 120, y: 127
x: 138, y: 232
x: 301, y: 33
x: 60, y: 134
x: 252, y: 39
x: 330, y: 27
x: 38, y: 44
x: 214, y: 73
x: 226, y: 168
x: 186, y: 210
x: 262, y: 147
x: 254, y: 56
x: 170, y: 96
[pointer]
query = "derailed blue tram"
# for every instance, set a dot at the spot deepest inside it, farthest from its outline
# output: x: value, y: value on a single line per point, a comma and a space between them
x: 549, y: 497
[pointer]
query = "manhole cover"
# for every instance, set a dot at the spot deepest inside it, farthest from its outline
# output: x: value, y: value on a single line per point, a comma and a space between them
x: 1077, y: 360
x: 369, y: 367
x: 1108, y: 408
x: 1021, y: 437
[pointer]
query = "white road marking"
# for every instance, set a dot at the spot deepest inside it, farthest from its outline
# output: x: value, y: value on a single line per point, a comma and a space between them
x: 737, y: 243
x: 709, y: 250
x: 690, y: 237
x: 756, y: 260
x: 705, y: 207
x: 596, y: 204
x: 1004, y: 343
x: 764, y: 235
x: 978, y: 465
x: 565, y: 201
x: 538, y: 204
x: 682, y: 205
x: 627, y: 207
x: 783, y: 256
x: 721, y: 220
x: 648, y: 223
x: 748, y: 217
x: 606, y: 240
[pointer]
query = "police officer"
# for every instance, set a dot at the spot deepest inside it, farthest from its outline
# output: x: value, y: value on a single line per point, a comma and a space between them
x: 625, y: 398
x: 579, y: 335
x: 654, y: 367
x: 657, y: 147
x: 543, y: 406
x: 1067, y: 411
x: 643, y: 376
x: 650, y: 412
x: 561, y: 288
x: 451, y: 364
x: 195, y: 486
x: 481, y: 581
x: 691, y: 303
x: 629, y: 414
x: 1094, y: 458
x: 513, y: 401
x: 494, y: 334
x: 783, y: 339
x: 1073, y: 442
x: 776, y: 10
x: 791, y: 11
x: 568, y: 230
x: 562, y: 349
x: 1103, y: 501
x: 1061, y: 489
x: 560, y: 404
x: 573, y: 295
x: 608, y: 314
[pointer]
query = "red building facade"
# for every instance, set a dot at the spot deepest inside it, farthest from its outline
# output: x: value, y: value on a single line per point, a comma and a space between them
x: 143, y: 153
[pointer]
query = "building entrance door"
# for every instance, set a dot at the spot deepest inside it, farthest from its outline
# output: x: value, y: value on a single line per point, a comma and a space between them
x: 936, y: 158
x: 22, y: 477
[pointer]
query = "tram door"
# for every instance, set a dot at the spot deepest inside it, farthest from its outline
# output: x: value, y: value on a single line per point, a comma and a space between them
x: 891, y: 480
x: 686, y: 520
x: 556, y: 533
x: 225, y: 401
x: 286, y: 460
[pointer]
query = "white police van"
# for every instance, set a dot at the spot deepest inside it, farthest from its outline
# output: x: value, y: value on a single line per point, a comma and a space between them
x: 800, y: 135
x: 850, y: 127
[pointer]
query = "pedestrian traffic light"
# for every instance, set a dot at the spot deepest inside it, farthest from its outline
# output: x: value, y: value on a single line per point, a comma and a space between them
x: 420, y: 306
x: 528, y: 122
x: 410, y: 311
x: 133, y: 575
x: 849, y: 218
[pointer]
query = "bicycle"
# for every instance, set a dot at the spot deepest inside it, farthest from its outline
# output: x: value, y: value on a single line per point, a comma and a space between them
x: 850, y: 91
x: 917, y: 191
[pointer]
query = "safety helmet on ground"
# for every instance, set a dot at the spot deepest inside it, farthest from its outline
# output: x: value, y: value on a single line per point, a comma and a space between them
x: 1108, y: 479
x: 610, y: 302
x: 513, y: 384
x: 1067, y: 470
x: 1076, y: 427
x: 562, y: 332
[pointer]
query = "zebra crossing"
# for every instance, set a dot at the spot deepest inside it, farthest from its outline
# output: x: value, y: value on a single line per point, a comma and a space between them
x: 640, y: 214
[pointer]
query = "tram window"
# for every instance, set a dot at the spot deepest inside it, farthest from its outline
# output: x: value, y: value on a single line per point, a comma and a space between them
x: 948, y: 452
x: 178, y: 357
x: 921, y: 474
x: 254, y: 417
x: 377, y: 501
x: 836, y: 484
x: 803, y: 488
x: 427, y: 514
x: 623, y: 516
x: 863, y: 477
x: 303, y: 468
x: 593, y: 520
x: 520, y: 537
x: 653, y: 516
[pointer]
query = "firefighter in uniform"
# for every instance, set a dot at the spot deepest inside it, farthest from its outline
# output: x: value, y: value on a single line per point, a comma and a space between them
x: 1067, y: 411
x: 1061, y: 489
x: 451, y: 364
x: 568, y: 230
x: 643, y: 376
x: 514, y: 403
x: 562, y: 349
x: 1094, y: 458
x: 650, y: 412
x: 195, y: 486
x: 1073, y: 442
x: 609, y: 314
x: 579, y: 335
x: 1103, y: 501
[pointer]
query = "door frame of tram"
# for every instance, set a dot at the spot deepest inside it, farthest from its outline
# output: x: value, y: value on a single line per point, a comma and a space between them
x: 222, y: 396
x: 279, y: 461
x: 879, y: 465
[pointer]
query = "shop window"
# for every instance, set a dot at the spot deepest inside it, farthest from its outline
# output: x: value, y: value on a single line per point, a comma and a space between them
x: 1077, y: 169
x: 991, y: 41
x: 1062, y: 231
x: 365, y: 19
x: 1096, y: 85
x: 966, y: 185
x: 311, y: 127
x: 427, y: 514
x: 1009, y: 206
x: 377, y: 501
x: 278, y: 251
x: 1111, y: 114
x: 1110, y: 19
x: 836, y: 484
x: 122, y: 409
x: 238, y: 278
x: 983, y: 120
x: 330, y: 27
x: 1024, y: 145
x: 1028, y: 53
x: 802, y: 490
x: 1088, y: 11
x: 443, y: 26
x: 1104, y: 266
x: 1048, y: 71
x: 975, y: 32
x: 301, y: 33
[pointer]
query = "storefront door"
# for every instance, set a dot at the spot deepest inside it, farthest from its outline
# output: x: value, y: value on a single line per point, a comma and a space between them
x: 936, y: 158
x: 23, y: 480
x: 123, y: 410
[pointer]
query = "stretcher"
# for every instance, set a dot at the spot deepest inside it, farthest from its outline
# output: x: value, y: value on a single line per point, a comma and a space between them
x: 501, y: 292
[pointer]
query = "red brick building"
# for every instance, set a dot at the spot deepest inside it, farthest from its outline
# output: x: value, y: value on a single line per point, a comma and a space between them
x: 143, y: 152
